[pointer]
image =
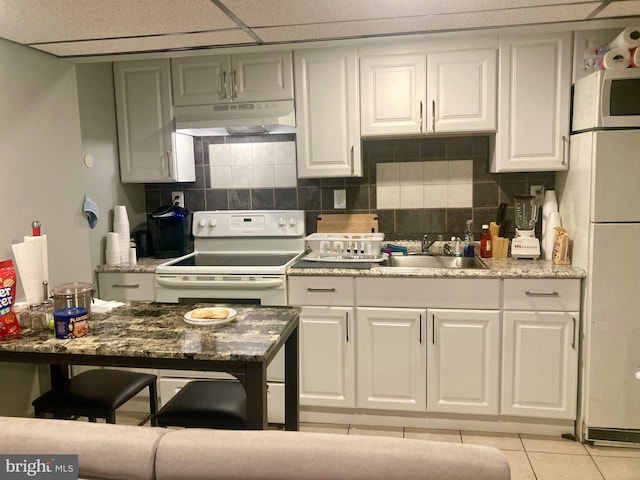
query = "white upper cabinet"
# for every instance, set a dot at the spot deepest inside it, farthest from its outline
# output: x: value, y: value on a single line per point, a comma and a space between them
x: 534, y: 103
x: 392, y: 92
x: 327, y: 113
x: 232, y: 78
x: 150, y: 150
x: 440, y: 92
x: 461, y: 91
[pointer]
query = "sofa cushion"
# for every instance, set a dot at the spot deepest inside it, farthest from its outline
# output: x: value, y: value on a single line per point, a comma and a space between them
x: 261, y: 455
x: 104, y: 450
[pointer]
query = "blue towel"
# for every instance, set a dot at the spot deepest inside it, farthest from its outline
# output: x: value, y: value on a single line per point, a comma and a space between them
x: 90, y: 209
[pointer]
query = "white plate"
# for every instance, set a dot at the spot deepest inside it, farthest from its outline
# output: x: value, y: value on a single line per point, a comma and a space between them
x: 210, y: 321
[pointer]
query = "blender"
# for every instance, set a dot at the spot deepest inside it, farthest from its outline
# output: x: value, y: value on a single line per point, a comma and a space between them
x: 525, y: 244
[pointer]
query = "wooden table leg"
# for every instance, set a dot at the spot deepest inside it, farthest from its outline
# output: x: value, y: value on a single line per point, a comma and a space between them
x: 291, y: 387
x: 256, y: 388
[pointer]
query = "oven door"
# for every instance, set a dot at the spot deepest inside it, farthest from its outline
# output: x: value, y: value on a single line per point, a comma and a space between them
x: 221, y: 288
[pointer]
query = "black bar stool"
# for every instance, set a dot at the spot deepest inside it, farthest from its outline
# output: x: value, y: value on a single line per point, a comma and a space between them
x: 97, y: 394
x: 206, y: 404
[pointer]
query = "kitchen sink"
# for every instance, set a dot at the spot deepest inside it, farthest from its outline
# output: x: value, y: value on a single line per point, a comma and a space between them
x: 431, y: 261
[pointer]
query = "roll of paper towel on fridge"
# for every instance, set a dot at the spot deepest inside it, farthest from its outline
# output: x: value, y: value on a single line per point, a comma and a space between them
x: 628, y: 38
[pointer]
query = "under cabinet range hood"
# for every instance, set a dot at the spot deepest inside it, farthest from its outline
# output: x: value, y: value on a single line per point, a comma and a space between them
x: 236, y: 118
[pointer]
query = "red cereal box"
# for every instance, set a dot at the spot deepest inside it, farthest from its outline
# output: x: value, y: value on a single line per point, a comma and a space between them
x: 8, y: 321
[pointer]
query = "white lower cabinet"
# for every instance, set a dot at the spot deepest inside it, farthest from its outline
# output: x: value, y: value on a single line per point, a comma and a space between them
x: 540, y: 364
x: 327, y: 359
x: 463, y: 361
x: 391, y: 359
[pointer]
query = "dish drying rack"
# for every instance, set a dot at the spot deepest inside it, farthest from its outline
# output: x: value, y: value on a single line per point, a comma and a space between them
x: 346, y: 247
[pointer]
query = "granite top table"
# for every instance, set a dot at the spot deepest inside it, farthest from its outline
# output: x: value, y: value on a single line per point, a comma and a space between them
x: 155, y: 335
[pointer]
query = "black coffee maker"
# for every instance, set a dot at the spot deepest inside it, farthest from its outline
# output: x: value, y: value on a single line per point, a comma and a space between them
x: 170, y: 229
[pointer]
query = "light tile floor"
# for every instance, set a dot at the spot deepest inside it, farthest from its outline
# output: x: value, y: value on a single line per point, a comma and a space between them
x: 531, y: 457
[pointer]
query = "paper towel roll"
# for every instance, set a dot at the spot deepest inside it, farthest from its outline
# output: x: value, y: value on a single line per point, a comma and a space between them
x: 30, y: 270
x: 615, y: 59
x: 628, y: 38
x: 42, y: 241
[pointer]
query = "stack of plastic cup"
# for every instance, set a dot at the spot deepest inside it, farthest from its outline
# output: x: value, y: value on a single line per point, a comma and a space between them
x: 121, y: 227
x: 549, y: 206
x: 554, y: 221
x: 112, y: 252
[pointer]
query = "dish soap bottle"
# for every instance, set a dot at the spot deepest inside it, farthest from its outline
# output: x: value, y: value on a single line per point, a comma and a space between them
x: 468, y: 240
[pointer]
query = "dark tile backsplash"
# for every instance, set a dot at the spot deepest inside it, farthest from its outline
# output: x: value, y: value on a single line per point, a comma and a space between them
x: 315, y: 196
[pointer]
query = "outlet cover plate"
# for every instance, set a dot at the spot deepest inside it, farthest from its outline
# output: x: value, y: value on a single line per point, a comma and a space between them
x: 340, y: 199
x: 177, y: 198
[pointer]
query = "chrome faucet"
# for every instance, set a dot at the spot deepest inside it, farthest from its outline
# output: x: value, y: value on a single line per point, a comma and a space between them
x: 426, y: 243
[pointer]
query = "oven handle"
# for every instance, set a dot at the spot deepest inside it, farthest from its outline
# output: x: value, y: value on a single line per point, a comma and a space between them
x: 254, y: 284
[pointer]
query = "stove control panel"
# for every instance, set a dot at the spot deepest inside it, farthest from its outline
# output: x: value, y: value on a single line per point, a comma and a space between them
x: 248, y: 223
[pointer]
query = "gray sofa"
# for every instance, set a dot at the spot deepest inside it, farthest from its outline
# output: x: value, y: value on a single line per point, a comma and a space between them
x: 136, y: 453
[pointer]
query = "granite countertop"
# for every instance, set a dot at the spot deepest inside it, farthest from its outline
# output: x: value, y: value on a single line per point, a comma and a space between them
x: 158, y: 330
x: 145, y: 265
x: 496, y: 268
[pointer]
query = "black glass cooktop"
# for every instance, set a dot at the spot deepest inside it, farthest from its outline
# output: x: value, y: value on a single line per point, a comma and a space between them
x: 236, y: 260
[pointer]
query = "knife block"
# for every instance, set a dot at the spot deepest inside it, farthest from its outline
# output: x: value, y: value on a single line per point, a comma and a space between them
x: 499, y: 245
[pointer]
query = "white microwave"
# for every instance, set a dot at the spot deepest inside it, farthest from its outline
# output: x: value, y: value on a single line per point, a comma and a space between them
x: 607, y: 99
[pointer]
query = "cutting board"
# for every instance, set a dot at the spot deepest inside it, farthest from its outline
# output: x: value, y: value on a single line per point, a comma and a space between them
x: 348, y: 223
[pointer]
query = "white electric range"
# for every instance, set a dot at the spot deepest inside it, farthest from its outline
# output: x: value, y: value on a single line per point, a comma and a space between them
x: 240, y: 256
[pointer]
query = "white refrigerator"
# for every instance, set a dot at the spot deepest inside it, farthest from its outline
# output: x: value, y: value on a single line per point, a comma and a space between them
x: 599, y: 202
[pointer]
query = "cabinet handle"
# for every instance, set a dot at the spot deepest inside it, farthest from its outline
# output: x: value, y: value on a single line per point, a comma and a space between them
x: 234, y: 84
x: 353, y: 158
x: 420, y: 329
x: 224, y: 84
x: 564, y: 150
x: 433, y: 115
x: 133, y: 285
x: 433, y: 330
x: 573, y: 341
x: 169, y: 164
x: 316, y: 290
x: 346, y: 317
x: 421, y: 116
x: 541, y: 294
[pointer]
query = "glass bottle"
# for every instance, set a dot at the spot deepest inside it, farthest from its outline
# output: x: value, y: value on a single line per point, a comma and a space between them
x: 47, y: 307
x: 468, y: 240
x: 37, y: 316
x: 485, y: 242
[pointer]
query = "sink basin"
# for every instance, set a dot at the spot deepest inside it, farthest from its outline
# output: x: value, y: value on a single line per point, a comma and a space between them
x: 430, y: 261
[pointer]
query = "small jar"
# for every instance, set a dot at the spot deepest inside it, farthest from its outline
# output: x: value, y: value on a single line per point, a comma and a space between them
x: 38, y: 317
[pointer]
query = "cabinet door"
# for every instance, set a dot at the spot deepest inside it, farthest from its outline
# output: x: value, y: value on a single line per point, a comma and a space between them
x: 391, y: 366
x: 461, y: 91
x: 327, y: 357
x: 328, y: 128
x: 463, y: 361
x: 144, y: 114
x: 540, y: 364
x: 201, y: 80
x: 392, y: 93
x: 535, y: 95
x: 262, y: 76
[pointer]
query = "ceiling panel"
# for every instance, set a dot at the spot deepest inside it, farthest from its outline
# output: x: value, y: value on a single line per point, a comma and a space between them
x: 36, y: 21
x: 621, y: 9
x: 294, y: 12
x: 523, y: 16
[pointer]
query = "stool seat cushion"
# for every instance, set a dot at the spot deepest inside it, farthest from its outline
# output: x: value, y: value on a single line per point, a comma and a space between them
x: 94, y: 391
x: 206, y: 404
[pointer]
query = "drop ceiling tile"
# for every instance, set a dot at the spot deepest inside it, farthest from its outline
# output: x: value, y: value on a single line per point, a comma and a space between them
x: 622, y: 9
x: 292, y: 12
x: 462, y: 21
x: 148, y: 44
x: 35, y: 21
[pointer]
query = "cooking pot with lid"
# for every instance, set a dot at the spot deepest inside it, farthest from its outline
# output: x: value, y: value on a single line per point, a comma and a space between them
x: 75, y: 294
